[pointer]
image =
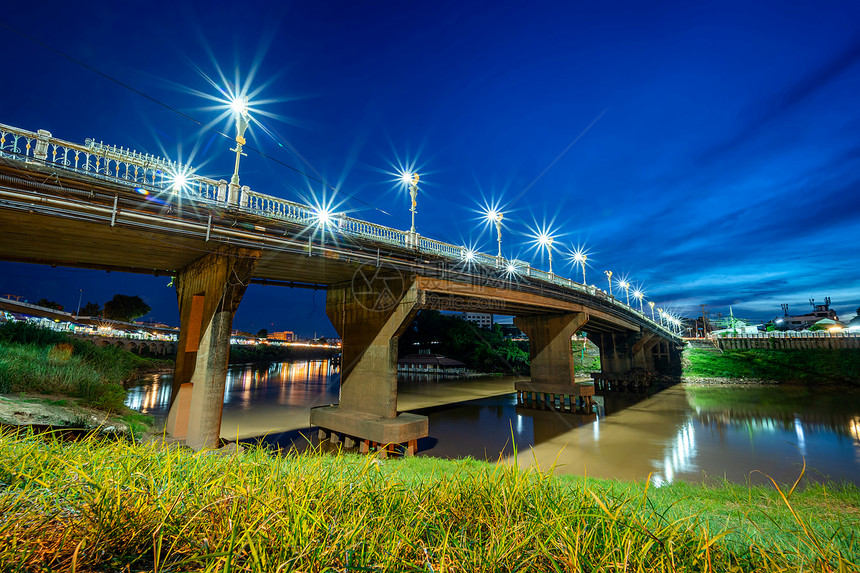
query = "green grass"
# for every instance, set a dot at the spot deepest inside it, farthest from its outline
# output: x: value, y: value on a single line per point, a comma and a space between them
x: 803, y: 366
x: 111, y: 506
x: 42, y: 361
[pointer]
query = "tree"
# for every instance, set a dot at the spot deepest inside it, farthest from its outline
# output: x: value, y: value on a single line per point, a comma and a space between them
x: 125, y: 308
x: 91, y: 309
x: 262, y: 333
x: 49, y: 304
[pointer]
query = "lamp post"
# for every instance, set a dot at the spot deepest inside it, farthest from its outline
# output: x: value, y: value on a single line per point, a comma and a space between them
x: 546, y: 241
x: 239, y: 105
x: 411, y: 181
x: 609, y: 278
x: 580, y: 259
x: 639, y: 294
x: 626, y: 286
x: 80, y: 298
x: 651, y: 304
x: 496, y: 217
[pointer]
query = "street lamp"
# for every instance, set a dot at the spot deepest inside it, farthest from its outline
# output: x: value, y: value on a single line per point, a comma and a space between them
x: 494, y: 216
x: 651, y: 304
x: 639, y: 294
x: 580, y: 258
x: 626, y: 286
x: 411, y: 181
x: 546, y: 241
x: 609, y: 278
x: 80, y: 298
x: 239, y: 105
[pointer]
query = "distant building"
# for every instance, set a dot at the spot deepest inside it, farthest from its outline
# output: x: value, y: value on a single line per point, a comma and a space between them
x: 481, y: 319
x: 804, y: 321
x: 425, y: 363
x: 286, y: 336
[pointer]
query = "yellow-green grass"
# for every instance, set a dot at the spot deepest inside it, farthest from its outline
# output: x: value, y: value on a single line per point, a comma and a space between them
x: 810, y: 366
x: 116, y: 505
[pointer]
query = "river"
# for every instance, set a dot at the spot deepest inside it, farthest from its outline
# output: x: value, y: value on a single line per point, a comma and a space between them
x: 686, y: 432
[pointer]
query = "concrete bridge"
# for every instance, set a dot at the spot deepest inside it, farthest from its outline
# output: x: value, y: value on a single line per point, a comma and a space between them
x: 101, y: 207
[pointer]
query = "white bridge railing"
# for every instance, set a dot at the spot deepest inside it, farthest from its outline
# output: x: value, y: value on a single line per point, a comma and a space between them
x: 150, y: 173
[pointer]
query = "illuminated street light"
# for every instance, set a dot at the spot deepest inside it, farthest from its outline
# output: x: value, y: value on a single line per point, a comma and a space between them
x: 651, y: 304
x: 580, y: 258
x: 239, y: 106
x: 494, y: 216
x: 545, y: 240
x: 609, y: 278
x: 626, y: 286
x: 639, y: 294
x: 323, y: 216
x: 411, y: 181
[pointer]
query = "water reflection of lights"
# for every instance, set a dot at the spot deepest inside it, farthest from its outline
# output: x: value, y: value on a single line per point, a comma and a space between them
x: 854, y: 429
x: 153, y: 396
x: 801, y: 438
x: 241, y: 385
x: 679, y: 456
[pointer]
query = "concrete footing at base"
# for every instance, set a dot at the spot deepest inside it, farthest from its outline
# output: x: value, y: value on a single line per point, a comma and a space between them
x: 352, y: 427
x: 563, y: 397
x: 630, y: 382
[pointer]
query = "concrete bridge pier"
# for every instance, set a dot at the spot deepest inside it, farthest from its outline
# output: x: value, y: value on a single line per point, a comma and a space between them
x: 370, y: 322
x: 208, y: 291
x: 553, y: 381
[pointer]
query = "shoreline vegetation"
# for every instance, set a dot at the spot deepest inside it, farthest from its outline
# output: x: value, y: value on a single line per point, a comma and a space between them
x: 48, y: 378
x: 785, y: 366
x: 102, y: 505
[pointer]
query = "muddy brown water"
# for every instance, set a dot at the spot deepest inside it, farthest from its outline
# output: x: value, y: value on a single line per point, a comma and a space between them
x: 685, y: 432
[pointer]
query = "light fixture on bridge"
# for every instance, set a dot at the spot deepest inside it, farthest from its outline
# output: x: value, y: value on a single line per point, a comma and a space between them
x: 469, y: 255
x: 239, y: 107
x: 410, y: 180
x: 580, y: 258
x: 545, y: 240
x: 495, y: 216
x: 623, y: 283
x: 651, y: 304
x: 609, y: 278
x: 640, y: 295
x: 324, y: 217
x: 511, y: 269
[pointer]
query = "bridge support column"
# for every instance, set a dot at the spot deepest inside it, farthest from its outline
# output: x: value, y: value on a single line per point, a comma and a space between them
x: 552, y: 371
x: 370, y: 323
x: 642, y: 351
x: 209, y: 291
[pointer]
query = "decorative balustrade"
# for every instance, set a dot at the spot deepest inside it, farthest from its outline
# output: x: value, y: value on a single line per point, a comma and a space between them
x: 150, y: 173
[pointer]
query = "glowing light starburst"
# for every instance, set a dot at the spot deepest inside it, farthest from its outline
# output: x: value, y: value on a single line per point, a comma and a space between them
x: 542, y: 239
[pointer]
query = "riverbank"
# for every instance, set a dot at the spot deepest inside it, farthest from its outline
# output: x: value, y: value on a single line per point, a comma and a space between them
x: 50, y: 379
x: 810, y: 366
x: 100, y: 505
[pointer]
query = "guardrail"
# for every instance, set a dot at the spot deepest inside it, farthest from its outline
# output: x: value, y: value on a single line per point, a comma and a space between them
x: 786, y: 334
x: 150, y: 173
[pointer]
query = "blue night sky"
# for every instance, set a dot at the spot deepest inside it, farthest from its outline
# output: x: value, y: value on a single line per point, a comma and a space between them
x: 710, y: 151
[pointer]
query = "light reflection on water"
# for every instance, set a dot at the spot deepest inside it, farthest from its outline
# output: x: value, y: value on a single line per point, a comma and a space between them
x: 299, y: 384
x: 683, y: 433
